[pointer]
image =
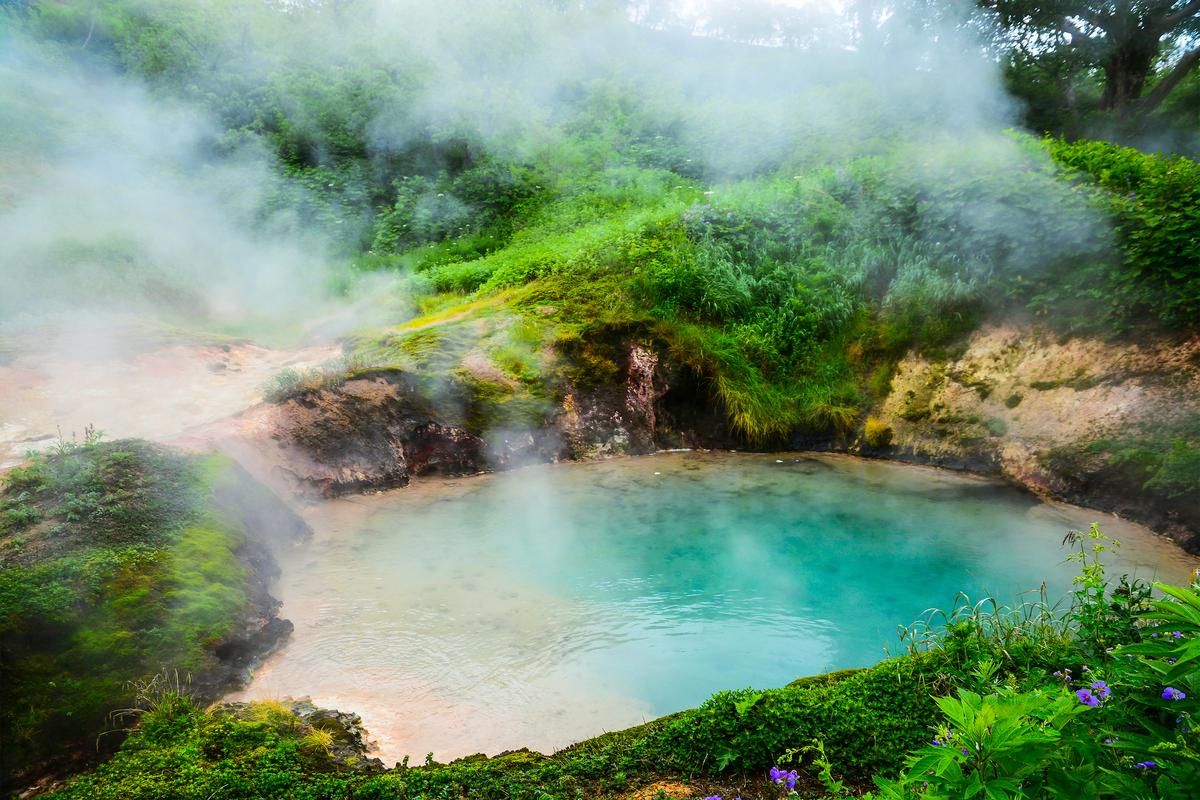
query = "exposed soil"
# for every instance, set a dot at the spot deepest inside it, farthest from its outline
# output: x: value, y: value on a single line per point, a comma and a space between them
x: 1015, y: 394
x: 129, y: 386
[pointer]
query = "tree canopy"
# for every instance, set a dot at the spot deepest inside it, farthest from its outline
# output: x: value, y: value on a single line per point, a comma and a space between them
x: 1122, y: 57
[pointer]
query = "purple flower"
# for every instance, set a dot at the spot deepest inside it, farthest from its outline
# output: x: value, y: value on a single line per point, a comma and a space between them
x: 1101, y: 689
x: 936, y: 743
x: 1110, y: 740
x: 1146, y: 764
x: 713, y: 797
x: 778, y: 776
x: 966, y: 752
x: 1171, y: 693
x: 1153, y: 636
x: 1176, y: 635
x: 1087, y: 698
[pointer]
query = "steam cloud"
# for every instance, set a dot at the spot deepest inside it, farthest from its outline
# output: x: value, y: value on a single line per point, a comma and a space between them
x: 122, y: 197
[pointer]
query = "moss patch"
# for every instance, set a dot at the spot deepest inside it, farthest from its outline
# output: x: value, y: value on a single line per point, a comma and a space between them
x: 113, y: 564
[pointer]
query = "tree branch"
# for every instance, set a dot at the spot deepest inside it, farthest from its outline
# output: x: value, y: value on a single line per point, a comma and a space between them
x: 1164, y: 87
x: 1078, y: 37
x: 1093, y: 18
x: 1171, y: 20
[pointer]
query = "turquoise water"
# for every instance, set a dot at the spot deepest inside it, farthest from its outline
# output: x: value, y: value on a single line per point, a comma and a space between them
x: 552, y: 603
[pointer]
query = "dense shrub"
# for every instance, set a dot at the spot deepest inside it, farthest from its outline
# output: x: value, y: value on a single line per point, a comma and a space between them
x: 1154, y: 201
x: 1115, y: 722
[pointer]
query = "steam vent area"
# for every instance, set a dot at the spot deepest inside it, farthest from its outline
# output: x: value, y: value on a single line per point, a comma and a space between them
x: 599, y: 400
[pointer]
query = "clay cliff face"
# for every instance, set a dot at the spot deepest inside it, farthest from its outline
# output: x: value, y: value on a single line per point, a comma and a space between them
x: 1031, y: 407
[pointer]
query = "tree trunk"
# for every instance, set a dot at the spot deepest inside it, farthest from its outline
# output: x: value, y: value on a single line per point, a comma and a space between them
x: 1126, y: 71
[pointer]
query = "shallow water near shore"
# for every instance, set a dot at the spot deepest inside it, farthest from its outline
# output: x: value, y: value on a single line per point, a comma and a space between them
x: 548, y: 604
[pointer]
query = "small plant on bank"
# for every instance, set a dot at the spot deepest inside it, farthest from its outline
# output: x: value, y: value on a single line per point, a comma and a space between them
x: 877, y: 432
x: 165, y: 692
x: 290, y: 381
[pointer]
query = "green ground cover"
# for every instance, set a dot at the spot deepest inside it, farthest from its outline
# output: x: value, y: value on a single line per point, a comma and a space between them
x: 114, y: 563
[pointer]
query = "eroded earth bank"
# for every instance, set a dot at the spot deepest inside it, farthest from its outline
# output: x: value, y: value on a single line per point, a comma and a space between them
x: 1083, y: 420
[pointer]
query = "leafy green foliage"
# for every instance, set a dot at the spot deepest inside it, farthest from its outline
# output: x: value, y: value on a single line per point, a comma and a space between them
x: 788, y: 289
x: 1155, y: 204
x: 112, y: 564
x: 1118, y: 725
x: 180, y: 751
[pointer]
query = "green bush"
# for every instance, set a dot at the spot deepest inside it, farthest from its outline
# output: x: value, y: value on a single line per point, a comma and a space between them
x: 122, y: 566
x: 1122, y: 726
x: 1155, y: 204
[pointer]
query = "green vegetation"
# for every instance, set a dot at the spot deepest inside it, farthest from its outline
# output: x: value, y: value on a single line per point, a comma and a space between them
x: 1155, y: 205
x: 789, y: 290
x: 788, y: 283
x: 877, y: 432
x: 1163, y: 460
x: 1015, y: 687
x: 790, y: 297
x: 114, y: 562
x: 1128, y: 69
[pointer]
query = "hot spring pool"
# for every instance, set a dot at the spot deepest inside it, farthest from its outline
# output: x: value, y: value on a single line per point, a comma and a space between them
x: 552, y: 603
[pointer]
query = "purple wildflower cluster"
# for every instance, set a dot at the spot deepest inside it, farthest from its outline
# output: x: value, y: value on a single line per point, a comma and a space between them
x: 1094, y: 695
x: 1146, y: 764
x: 1172, y: 634
x: 1171, y: 693
x: 778, y: 776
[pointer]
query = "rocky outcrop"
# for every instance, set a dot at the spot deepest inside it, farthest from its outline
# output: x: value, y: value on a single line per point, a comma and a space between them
x: 269, y: 524
x: 1012, y: 401
x: 372, y: 431
x: 617, y: 418
x: 379, y: 428
x: 1028, y: 405
x: 258, y: 633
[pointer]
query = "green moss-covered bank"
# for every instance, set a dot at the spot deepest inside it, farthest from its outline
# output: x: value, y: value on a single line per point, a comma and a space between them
x: 871, y: 718
x: 118, y: 561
